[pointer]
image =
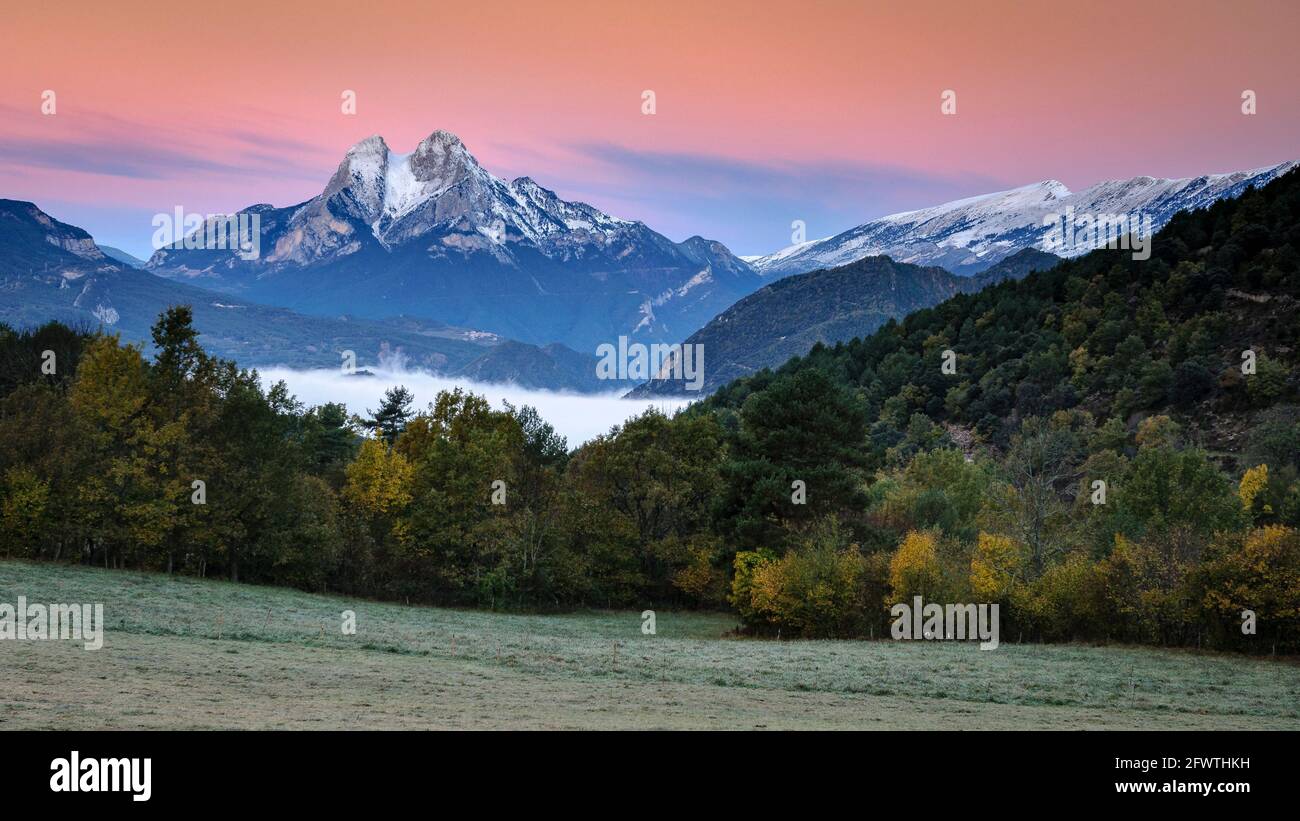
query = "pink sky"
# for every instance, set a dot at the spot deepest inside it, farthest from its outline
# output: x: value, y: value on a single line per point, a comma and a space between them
x: 766, y: 112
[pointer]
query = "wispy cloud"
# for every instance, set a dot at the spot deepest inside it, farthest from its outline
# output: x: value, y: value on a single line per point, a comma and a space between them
x: 717, y: 176
x: 108, y: 145
x: 115, y: 159
x: 750, y: 205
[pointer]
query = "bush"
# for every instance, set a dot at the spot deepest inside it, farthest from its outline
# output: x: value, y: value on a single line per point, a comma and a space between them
x: 1258, y: 572
x: 1146, y: 587
x: 817, y: 590
x: 1268, y: 382
x: 1067, y: 602
x: 746, y: 564
x: 996, y: 568
x: 1193, y: 382
x: 915, y: 569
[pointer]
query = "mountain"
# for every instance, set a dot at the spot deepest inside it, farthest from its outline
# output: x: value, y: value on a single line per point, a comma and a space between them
x: 432, y: 234
x: 1118, y: 337
x: 966, y: 236
x: 50, y: 270
x: 118, y: 255
x: 553, y: 367
x: 790, y: 316
x: 1014, y: 266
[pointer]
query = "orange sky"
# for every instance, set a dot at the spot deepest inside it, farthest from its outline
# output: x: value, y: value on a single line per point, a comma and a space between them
x: 766, y: 112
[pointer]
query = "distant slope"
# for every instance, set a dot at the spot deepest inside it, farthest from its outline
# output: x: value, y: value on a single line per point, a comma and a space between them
x: 1017, y: 266
x: 790, y: 316
x: 966, y: 236
x: 121, y: 256
x: 553, y: 367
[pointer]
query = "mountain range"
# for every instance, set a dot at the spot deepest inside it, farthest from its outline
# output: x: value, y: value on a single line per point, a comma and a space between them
x: 969, y: 235
x: 428, y: 260
x: 1104, y: 339
x: 50, y: 270
x: 434, y: 235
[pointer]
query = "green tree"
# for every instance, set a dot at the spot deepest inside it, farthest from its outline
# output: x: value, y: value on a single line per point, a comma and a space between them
x: 1043, y: 463
x: 394, y: 412
x: 660, y: 478
x: 804, y: 428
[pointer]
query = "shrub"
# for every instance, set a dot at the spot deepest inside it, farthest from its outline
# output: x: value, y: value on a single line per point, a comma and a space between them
x: 1067, y: 602
x: 1146, y: 586
x: 23, y: 511
x: 996, y: 567
x: 700, y: 578
x: 1260, y: 572
x: 817, y: 590
x: 1269, y: 381
x: 915, y: 569
x: 746, y: 564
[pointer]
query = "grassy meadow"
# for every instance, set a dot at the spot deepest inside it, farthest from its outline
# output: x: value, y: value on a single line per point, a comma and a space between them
x: 188, y: 653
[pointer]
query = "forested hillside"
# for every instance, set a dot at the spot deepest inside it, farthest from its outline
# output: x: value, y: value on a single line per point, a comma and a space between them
x: 795, y: 313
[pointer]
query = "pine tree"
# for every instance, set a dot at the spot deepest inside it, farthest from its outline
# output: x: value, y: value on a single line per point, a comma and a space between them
x: 393, y: 414
x: 800, y: 455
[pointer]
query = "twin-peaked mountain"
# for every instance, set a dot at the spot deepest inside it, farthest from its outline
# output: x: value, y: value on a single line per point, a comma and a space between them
x: 433, y: 235
x: 969, y: 235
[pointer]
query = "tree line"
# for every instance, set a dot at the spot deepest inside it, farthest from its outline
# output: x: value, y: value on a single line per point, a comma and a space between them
x: 1099, y: 463
x: 771, y: 510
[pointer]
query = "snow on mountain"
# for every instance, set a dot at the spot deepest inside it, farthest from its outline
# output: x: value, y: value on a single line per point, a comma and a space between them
x: 967, y: 236
x: 402, y: 196
x: 53, y: 271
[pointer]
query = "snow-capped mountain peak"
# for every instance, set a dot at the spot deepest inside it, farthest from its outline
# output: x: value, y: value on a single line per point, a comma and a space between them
x: 1034, y: 195
x: 361, y: 176
x: 402, y: 196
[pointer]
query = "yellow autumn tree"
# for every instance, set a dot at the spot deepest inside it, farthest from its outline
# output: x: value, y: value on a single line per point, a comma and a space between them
x: 378, y: 480
x: 1254, y: 482
x: 915, y: 570
x: 813, y: 592
x: 1263, y: 575
x: 996, y: 567
x: 821, y: 588
x: 746, y: 565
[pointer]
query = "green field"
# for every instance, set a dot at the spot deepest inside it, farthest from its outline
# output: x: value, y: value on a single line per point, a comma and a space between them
x: 185, y: 653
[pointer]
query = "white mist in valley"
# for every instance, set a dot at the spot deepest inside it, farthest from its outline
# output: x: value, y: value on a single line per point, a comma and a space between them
x: 577, y: 417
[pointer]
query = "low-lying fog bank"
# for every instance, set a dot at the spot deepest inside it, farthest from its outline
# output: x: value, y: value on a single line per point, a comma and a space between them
x: 577, y: 417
